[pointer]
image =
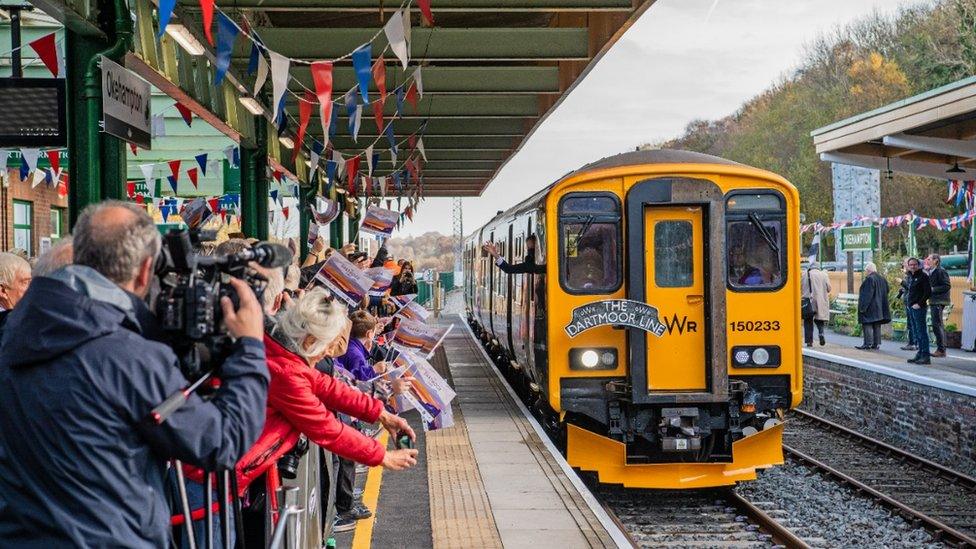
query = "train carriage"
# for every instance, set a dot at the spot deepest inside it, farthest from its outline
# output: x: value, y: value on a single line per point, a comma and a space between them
x: 661, y: 340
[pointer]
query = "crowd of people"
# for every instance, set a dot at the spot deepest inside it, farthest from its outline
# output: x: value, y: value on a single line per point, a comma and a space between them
x: 924, y: 291
x: 82, y: 367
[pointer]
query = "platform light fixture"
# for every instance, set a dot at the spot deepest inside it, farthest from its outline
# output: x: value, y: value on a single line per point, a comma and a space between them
x: 185, y: 39
x: 955, y: 169
x: 252, y: 105
x: 287, y: 141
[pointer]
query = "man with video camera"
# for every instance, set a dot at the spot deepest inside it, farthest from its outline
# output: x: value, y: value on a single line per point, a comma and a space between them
x: 82, y: 463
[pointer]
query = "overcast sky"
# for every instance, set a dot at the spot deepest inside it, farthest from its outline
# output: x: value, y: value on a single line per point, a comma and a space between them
x: 684, y: 59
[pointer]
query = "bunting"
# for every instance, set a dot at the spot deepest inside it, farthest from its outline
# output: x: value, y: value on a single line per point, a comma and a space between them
x: 262, y: 70
x: 362, y: 62
x: 206, y: 13
x: 47, y: 50
x: 322, y: 78
x: 304, y: 115
x: 165, y: 13
x: 192, y: 173
x: 185, y: 112
x: 352, y: 170
x: 202, y: 162
x: 425, y: 11
x: 226, y: 35
x: 279, y: 80
x: 396, y: 32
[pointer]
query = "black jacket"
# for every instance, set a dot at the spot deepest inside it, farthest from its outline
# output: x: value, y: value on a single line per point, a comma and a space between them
x: 527, y: 266
x: 79, y: 463
x: 919, y: 289
x: 941, y: 286
x: 872, y: 300
x: 403, y: 286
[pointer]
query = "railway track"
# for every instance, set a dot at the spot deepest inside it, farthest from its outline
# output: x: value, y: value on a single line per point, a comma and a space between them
x: 694, y: 519
x: 925, y: 493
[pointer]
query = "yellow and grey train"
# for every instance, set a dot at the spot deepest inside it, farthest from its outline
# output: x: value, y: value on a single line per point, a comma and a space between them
x: 658, y: 330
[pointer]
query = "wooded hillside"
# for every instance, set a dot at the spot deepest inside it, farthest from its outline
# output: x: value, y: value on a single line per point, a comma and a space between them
x: 428, y: 251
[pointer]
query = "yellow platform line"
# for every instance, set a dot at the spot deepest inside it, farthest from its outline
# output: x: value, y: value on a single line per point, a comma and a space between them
x: 362, y: 538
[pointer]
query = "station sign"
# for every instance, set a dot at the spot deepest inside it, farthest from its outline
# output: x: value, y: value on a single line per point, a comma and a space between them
x: 615, y: 312
x: 126, y: 104
x: 859, y: 239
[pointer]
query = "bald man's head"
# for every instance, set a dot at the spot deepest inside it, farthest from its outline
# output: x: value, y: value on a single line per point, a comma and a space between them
x: 115, y: 238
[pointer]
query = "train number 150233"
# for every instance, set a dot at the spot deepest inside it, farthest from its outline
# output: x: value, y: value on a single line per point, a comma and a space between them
x: 754, y: 325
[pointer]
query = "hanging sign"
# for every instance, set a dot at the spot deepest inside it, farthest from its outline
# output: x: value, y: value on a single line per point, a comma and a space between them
x: 126, y: 104
x: 615, y: 312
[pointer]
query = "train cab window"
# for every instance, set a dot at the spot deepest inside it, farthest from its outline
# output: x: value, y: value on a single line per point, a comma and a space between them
x: 673, y: 258
x: 756, y: 243
x: 590, y: 252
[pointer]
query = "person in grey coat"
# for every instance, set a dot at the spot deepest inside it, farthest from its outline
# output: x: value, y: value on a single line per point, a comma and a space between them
x: 873, y: 309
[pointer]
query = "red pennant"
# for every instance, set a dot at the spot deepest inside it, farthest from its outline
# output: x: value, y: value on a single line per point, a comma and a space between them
x: 63, y: 187
x: 304, y: 114
x: 409, y: 212
x: 214, y: 204
x: 130, y: 189
x: 412, y: 142
x: 223, y: 216
x: 425, y: 11
x: 378, y: 113
x: 412, y: 94
x: 174, y: 168
x: 277, y: 175
x: 54, y: 157
x: 284, y: 211
x: 322, y: 77
x: 352, y: 170
x: 379, y: 76
x: 206, y: 11
x: 134, y: 149
x: 47, y: 50
x: 139, y: 199
x: 186, y: 113
x: 192, y: 172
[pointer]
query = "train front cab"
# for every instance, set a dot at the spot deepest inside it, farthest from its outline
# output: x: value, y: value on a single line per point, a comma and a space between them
x: 697, y: 404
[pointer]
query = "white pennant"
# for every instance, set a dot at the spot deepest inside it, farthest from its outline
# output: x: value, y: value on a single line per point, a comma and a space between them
x: 55, y: 177
x: 158, y: 126
x: 213, y: 166
x: 340, y: 163
x: 356, y: 120
x: 262, y: 75
x: 420, y: 147
x: 396, y: 31
x: 229, y: 155
x: 369, y: 160
x: 313, y: 158
x: 419, y: 81
x: 4, y: 156
x: 393, y: 157
x: 147, y: 173
x: 30, y: 156
x: 279, y: 79
x: 407, y: 29
x: 37, y: 178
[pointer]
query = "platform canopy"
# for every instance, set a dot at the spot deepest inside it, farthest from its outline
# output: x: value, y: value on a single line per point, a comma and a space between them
x: 932, y: 134
x: 492, y: 70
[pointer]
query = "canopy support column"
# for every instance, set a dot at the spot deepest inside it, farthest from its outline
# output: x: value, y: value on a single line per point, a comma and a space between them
x: 254, y: 184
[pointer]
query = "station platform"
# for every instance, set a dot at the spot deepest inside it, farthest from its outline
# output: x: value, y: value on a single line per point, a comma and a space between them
x: 491, y: 480
x: 956, y: 372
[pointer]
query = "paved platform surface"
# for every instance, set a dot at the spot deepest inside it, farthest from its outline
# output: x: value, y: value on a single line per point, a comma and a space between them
x: 955, y: 372
x: 489, y: 481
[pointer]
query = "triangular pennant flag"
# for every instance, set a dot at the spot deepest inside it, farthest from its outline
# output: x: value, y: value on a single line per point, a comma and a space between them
x: 356, y: 121
x: 352, y: 171
x: 425, y: 11
x: 284, y: 211
x: 407, y: 23
x: 274, y: 195
x: 214, y: 205
x: 379, y: 76
x: 206, y: 12
x: 54, y: 157
x: 172, y: 182
x: 315, y: 155
x: 147, y: 174
x: 24, y: 169
x: 350, y: 101
x: 420, y: 147
x: 226, y: 35
x: 47, y: 51
x: 4, y: 156
x: 391, y: 139
x: 158, y: 125
x: 262, y: 76
x: 229, y: 155
x: 192, y: 173
x: 419, y: 81
x: 134, y: 149
x: 362, y: 62
x: 412, y: 95
x: 322, y: 78
x: 165, y: 13
x: 393, y: 157
x: 399, y: 99
x: 378, y: 113
x: 30, y: 157
x: 304, y: 115
x: 279, y: 80
x: 38, y: 177
x: 185, y: 112
x: 369, y: 160
x: 202, y: 162
x: 130, y: 189
x: 396, y: 36
x: 174, y: 168
x: 330, y: 170
x: 376, y: 159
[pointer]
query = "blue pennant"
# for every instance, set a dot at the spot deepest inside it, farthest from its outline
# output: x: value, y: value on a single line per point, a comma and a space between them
x: 202, y: 162
x: 333, y: 122
x: 362, y: 61
x: 400, y: 94
x: 376, y: 159
x: 330, y: 170
x: 390, y: 138
x: 274, y: 195
x: 24, y: 168
x: 172, y: 182
x: 165, y: 12
x: 226, y: 34
x: 252, y: 63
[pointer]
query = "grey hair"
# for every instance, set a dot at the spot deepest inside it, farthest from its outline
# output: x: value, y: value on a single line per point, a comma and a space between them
x: 937, y: 258
x: 870, y: 267
x: 293, y: 278
x: 55, y: 258
x: 274, y: 287
x: 116, y: 250
x: 314, y: 314
x: 10, y: 266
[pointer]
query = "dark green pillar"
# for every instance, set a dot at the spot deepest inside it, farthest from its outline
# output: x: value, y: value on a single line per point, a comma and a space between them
x: 254, y: 184
x: 335, y: 228
x: 354, y: 227
x: 306, y: 199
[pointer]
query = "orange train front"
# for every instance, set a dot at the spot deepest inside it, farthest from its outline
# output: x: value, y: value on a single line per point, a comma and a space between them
x: 661, y: 345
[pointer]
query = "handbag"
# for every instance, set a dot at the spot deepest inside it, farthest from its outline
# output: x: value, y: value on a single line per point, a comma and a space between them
x: 806, y: 303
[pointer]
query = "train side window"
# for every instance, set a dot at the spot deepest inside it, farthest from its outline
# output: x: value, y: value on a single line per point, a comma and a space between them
x: 755, y: 241
x: 591, y: 260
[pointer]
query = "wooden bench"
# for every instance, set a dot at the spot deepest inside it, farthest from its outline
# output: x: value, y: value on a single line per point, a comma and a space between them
x: 843, y: 304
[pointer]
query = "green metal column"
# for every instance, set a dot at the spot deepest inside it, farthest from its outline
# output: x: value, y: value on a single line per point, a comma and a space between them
x: 306, y: 199
x: 354, y: 227
x: 254, y: 184
x: 335, y: 228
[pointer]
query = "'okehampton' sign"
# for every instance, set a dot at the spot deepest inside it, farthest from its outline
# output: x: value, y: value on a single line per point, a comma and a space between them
x: 126, y: 104
x: 859, y: 239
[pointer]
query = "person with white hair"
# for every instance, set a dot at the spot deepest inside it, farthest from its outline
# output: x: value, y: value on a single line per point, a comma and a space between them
x: 15, y: 277
x: 60, y: 255
x: 873, y: 308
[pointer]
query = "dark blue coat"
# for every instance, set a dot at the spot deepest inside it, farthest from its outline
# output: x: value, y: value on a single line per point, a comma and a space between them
x: 79, y: 463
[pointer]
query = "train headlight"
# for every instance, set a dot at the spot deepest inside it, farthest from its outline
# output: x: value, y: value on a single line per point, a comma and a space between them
x: 760, y: 356
x: 742, y: 356
x: 600, y: 358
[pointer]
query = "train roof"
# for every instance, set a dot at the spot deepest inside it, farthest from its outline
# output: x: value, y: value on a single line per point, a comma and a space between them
x: 650, y: 156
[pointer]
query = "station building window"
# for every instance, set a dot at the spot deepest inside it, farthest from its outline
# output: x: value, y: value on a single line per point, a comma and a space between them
x: 57, y: 223
x: 590, y: 251
x: 24, y: 226
x: 756, y: 243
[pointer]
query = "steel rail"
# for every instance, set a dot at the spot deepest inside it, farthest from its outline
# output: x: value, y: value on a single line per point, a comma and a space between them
x: 941, y: 470
x: 940, y: 530
x: 779, y: 533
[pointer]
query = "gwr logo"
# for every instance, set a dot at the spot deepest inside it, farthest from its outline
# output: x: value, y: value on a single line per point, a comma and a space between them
x: 681, y: 325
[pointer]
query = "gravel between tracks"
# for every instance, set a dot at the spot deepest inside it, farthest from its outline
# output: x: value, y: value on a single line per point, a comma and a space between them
x: 816, y: 507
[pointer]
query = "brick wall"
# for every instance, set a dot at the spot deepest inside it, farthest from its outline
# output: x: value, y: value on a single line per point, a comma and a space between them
x: 937, y: 424
x: 41, y: 197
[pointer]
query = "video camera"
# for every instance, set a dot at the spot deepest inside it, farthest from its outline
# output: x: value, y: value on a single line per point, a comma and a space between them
x: 190, y: 288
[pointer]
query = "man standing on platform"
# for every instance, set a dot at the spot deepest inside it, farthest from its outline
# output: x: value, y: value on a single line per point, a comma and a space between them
x: 941, y: 286
x: 919, y: 291
x: 873, y: 309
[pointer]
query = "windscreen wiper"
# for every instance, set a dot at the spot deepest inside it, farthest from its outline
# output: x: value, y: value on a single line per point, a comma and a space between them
x: 584, y: 228
x: 764, y: 232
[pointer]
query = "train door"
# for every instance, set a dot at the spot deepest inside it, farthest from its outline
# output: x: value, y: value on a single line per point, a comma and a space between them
x: 510, y: 289
x: 675, y: 284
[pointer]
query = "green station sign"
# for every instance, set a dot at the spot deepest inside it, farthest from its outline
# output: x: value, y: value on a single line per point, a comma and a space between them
x: 859, y: 239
